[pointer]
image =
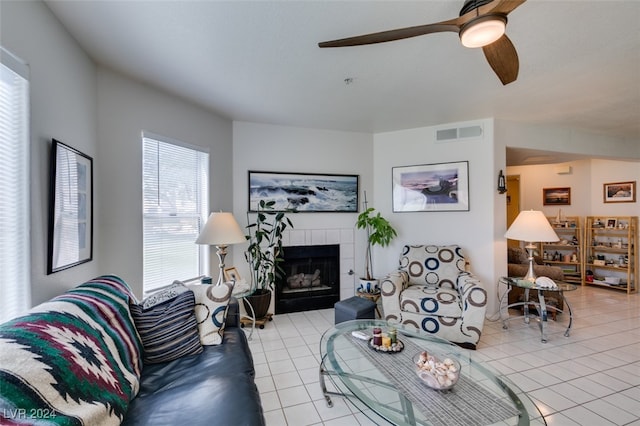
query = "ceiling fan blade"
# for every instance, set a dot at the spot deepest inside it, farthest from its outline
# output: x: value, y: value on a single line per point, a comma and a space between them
x: 504, y: 6
x: 391, y: 35
x: 503, y: 58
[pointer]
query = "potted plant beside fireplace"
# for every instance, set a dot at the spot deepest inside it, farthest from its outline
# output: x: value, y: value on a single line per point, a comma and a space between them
x: 379, y: 232
x: 264, y: 254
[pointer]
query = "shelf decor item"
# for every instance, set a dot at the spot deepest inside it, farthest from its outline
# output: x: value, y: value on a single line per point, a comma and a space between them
x: 619, y: 192
x: 431, y: 187
x: 70, y: 208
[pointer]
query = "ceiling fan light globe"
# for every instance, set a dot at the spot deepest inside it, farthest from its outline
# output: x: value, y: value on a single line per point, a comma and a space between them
x: 481, y: 32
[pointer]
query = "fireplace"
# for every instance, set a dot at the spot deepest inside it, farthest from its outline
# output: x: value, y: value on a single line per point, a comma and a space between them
x: 311, y: 278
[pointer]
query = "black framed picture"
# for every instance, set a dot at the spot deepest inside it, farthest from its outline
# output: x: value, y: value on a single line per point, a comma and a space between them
x: 304, y: 192
x: 70, y: 208
x: 431, y: 187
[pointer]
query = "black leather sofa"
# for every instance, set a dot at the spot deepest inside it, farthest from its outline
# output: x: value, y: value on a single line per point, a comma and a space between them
x: 215, y: 387
x: 78, y: 359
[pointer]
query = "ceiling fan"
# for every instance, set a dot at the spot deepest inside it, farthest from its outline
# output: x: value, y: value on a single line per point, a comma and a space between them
x: 481, y: 23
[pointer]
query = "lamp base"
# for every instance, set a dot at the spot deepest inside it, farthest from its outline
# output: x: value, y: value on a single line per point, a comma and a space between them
x: 531, y: 276
x: 222, y: 253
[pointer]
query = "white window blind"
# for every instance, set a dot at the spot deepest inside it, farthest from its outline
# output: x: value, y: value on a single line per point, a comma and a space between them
x: 15, y: 272
x: 175, y: 206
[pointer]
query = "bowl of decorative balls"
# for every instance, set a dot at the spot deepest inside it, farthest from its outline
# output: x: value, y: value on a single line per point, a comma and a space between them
x: 440, y: 374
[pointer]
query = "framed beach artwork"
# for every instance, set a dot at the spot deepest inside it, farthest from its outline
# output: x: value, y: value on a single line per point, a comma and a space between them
x: 431, y: 187
x: 70, y: 208
x: 556, y: 196
x: 304, y: 192
x: 619, y: 192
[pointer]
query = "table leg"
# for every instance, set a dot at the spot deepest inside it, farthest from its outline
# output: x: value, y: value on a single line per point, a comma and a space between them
x: 566, y: 303
x: 323, y: 386
x: 526, y: 306
x: 543, y: 315
x: 505, y: 318
x: 252, y: 317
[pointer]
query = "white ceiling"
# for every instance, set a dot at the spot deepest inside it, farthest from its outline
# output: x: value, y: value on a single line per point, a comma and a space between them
x: 259, y: 61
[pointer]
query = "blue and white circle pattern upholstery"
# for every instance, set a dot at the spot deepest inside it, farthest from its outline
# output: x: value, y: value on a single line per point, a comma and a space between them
x: 432, y: 291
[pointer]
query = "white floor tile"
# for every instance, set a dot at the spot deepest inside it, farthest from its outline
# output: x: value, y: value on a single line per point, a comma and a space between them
x: 287, y: 380
x: 293, y: 396
x: 265, y: 384
x: 610, y: 412
x: 270, y: 401
x: 275, y: 418
x: 591, y: 378
x: 301, y: 415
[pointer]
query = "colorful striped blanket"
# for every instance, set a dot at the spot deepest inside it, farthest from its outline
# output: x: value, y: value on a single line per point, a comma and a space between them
x: 74, y: 360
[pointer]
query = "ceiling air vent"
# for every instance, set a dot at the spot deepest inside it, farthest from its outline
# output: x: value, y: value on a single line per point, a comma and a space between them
x: 457, y: 133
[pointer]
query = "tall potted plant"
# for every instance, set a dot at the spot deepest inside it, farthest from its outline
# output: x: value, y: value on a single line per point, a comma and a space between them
x: 264, y: 254
x: 379, y: 232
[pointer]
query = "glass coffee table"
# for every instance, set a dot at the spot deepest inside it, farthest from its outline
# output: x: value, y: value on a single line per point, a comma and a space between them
x: 540, y: 305
x: 386, y: 388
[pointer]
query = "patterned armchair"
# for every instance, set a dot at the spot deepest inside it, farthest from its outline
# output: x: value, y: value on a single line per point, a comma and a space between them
x: 432, y: 291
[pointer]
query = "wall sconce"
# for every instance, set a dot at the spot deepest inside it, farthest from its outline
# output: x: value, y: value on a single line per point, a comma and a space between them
x: 502, y: 184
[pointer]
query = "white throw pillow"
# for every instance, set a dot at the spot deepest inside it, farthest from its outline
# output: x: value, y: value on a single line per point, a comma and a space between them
x: 211, y: 310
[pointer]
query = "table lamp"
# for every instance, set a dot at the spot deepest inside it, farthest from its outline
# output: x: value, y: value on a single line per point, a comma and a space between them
x: 221, y: 230
x: 531, y: 226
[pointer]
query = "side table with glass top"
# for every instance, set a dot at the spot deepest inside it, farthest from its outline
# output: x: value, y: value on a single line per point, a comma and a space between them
x: 540, y: 305
x: 251, y: 316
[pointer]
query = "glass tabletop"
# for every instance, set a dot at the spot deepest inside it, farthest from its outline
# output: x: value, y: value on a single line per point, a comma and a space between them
x: 386, y: 385
x: 519, y: 282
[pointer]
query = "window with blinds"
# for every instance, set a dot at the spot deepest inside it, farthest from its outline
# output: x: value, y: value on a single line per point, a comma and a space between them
x: 175, y: 206
x: 15, y: 282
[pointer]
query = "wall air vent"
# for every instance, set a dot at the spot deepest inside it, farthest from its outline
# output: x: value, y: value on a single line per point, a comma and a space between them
x: 458, y: 133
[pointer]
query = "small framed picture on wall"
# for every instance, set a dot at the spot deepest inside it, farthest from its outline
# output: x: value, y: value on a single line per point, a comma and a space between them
x: 556, y: 196
x: 619, y: 192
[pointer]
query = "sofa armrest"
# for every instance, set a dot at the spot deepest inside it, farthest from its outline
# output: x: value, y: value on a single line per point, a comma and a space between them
x: 474, y: 301
x: 390, y: 289
x: 233, y: 313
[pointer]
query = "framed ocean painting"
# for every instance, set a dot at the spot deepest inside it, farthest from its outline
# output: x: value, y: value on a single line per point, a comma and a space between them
x: 304, y: 192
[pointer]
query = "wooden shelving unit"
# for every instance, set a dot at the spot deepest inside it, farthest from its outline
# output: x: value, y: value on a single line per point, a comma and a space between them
x: 611, y: 252
x: 568, y: 252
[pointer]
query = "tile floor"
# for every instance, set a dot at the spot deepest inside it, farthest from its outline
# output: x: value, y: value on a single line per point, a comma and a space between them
x: 591, y: 378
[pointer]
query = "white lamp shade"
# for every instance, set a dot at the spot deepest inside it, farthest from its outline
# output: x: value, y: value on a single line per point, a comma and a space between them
x: 531, y: 225
x: 221, y: 229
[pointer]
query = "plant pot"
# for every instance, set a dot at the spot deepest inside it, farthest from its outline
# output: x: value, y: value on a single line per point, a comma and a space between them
x: 369, y: 286
x: 260, y: 301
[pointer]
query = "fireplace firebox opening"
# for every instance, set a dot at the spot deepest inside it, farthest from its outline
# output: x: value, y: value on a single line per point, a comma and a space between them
x: 311, y: 278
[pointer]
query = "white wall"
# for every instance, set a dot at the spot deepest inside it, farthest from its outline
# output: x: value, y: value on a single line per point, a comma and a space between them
x: 536, y: 177
x: 560, y: 139
x: 602, y: 172
x: 63, y: 106
x: 473, y: 230
x: 263, y: 147
x: 586, y: 182
x: 126, y: 108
